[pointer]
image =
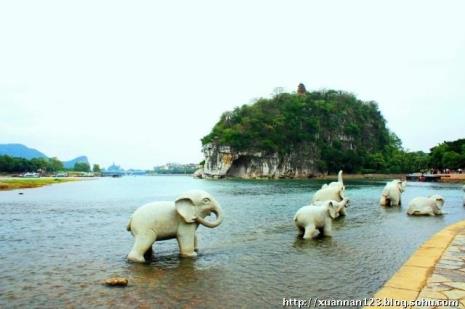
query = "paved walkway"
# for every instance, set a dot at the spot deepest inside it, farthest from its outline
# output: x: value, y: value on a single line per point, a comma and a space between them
x: 448, y: 278
x: 436, y: 271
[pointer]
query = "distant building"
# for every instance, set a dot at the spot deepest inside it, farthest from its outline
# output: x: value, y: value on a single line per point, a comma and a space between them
x: 301, y: 90
x: 176, y: 168
x: 113, y: 171
x: 135, y: 172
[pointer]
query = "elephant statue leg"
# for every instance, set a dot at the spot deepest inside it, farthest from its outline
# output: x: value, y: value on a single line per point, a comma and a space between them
x: 309, y: 231
x: 327, y: 230
x: 301, y: 231
x: 148, y: 254
x: 186, y: 241
x: 142, y: 243
x: 196, y: 243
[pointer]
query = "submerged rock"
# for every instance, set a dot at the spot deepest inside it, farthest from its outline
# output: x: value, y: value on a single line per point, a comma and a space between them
x: 116, y: 281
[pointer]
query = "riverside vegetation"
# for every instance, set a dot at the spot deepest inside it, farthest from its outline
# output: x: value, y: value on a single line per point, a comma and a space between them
x: 335, y: 128
x: 9, y: 164
x: 22, y: 183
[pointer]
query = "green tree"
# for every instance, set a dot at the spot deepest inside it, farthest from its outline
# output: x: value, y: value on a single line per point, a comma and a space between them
x: 55, y: 165
x: 96, y: 168
x: 451, y: 160
x: 81, y: 167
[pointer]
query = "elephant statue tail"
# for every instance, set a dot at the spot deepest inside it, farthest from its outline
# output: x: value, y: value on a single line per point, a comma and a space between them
x: 128, y: 227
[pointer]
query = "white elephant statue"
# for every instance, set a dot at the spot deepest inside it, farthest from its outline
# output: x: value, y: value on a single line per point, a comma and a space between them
x: 167, y: 220
x: 421, y: 206
x: 333, y: 191
x: 309, y: 219
x: 338, y: 184
x: 340, y: 206
x: 392, y: 193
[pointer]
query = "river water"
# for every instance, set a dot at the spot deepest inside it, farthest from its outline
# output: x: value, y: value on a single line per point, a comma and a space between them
x: 58, y: 243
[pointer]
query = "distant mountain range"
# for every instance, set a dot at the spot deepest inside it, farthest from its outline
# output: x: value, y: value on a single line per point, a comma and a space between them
x: 70, y: 163
x: 21, y: 151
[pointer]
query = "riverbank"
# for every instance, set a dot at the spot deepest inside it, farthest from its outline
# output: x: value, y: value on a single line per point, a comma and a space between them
x: 13, y: 183
x: 453, y: 178
x: 446, y: 178
x: 363, y: 176
x: 436, y: 271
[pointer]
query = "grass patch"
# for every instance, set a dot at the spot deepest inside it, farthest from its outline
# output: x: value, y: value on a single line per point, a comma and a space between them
x: 22, y: 183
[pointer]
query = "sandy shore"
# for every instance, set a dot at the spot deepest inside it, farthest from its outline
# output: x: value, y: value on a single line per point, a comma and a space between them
x: 454, y: 178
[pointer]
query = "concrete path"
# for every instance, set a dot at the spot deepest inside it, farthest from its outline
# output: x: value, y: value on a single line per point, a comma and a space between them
x: 448, y: 278
x: 435, y: 273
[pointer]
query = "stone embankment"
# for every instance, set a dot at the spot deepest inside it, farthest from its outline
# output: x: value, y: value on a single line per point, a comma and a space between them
x: 435, y: 272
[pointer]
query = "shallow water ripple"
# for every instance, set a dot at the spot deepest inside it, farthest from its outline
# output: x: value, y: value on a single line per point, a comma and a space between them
x: 58, y: 244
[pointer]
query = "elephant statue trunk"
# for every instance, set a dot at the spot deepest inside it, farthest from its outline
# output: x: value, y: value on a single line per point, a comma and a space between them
x: 219, y: 218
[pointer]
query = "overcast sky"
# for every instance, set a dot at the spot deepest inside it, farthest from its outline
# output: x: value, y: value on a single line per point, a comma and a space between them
x: 139, y: 83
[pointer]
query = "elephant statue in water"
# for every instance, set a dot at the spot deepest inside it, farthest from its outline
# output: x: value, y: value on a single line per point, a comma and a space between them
x: 309, y: 219
x: 340, y: 206
x: 336, y: 184
x: 333, y: 191
x: 166, y: 220
x: 420, y: 206
x: 392, y: 192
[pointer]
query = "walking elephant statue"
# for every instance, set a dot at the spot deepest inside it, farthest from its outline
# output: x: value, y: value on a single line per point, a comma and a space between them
x: 166, y: 220
x: 392, y: 192
x: 333, y: 191
x: 312, y: 219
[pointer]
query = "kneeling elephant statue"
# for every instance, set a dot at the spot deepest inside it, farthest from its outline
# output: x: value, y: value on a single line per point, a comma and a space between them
x: 424, y: 206
x: 167, y: 220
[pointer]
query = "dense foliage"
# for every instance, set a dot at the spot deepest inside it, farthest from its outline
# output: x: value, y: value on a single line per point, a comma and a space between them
x: 46, y: 165
x: 339, y: 130
x: 81, y: 167
x: 449, y: 155
x: 342, y: 129
x: 20, y: 165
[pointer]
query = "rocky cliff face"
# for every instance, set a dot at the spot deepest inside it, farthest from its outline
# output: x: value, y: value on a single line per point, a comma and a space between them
x: 222, y: 161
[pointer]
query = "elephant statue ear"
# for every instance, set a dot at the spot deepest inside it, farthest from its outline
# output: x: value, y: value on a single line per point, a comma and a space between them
x: 186, y: 204
x: 332, y: 210
x: 186, y: 209
x: 341, y: 193
x: 438, y: 200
